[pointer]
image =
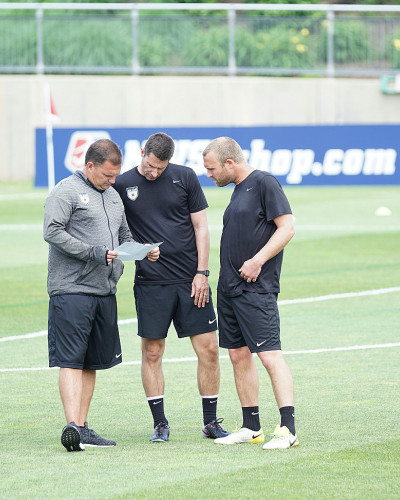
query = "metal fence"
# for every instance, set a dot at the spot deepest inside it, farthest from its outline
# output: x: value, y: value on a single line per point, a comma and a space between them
x: 232, y: 39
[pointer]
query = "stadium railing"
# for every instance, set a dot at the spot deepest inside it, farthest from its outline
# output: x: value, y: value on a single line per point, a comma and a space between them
x: 228, y: 39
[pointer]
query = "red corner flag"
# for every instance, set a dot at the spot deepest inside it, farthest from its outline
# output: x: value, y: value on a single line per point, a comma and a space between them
x: 53, y: 113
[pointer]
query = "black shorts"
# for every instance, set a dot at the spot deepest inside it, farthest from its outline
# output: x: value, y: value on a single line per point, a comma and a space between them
x: 159, y: 305
x: 249, y: 319
x: 83, y: 332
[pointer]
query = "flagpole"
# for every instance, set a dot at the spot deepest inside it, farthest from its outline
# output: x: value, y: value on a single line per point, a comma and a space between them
x: 49, y: 138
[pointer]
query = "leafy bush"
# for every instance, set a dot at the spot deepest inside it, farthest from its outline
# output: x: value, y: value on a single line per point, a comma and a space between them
x: 393, y: 49
x: 98, y: 42
x: 18, y: 41
x: 279, y: 46
x: 79, y: 41
x: 351, y: 41
x: 184, y: 41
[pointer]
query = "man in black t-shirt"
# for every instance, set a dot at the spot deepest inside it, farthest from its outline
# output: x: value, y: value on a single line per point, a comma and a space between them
x: 257, y: 225
x: 164, y: 202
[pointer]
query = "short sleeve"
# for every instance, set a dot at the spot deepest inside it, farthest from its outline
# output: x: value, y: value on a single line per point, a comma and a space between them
x: 196, y: 197
x: 273, y: 198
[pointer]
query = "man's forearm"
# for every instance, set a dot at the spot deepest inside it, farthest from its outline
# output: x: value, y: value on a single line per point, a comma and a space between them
x: 203, y: 247
x: 56, y: 236
x: 277, y: 242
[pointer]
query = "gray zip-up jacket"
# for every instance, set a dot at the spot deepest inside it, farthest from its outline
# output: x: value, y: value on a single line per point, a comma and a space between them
x: 81, y: 223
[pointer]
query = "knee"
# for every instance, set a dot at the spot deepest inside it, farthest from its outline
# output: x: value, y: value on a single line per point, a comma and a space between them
x: 271, y: 360
x: 213, y: 352
x: 206, y: 347
x: 240, y: 356
x: 210, y: 353
x: 152, y: 353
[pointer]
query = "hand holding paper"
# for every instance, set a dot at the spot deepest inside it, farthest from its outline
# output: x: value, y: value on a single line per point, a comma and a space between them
x: 154, y: 255
x: 111, y: 255
x: 132, y: 250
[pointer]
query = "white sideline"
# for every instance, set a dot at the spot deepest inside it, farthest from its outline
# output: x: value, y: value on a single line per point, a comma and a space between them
x: 321, y: 298
x: 183, y: 360
x: 21, y: 227
x: 378, y: 291
x: 333, y: 227
x: 283, y: 302
x: 218, y: 227
x: 42, y: 333
x: 23, y: 196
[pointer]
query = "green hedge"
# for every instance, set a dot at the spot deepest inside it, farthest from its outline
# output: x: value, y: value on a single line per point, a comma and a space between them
x: 393, y: 49
x: 170, y: 41
x: 355, y: 2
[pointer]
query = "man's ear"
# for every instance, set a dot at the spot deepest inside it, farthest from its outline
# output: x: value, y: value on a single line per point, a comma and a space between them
x: 229, y: 163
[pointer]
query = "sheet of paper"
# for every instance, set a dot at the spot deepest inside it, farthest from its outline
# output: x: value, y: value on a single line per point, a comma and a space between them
x: 132, y: 250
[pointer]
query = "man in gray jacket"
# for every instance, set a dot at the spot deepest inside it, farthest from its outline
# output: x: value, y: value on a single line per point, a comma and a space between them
x: 83, y: 222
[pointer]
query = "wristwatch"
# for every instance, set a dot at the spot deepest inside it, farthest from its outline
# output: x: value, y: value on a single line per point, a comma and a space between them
x: 206, y: 273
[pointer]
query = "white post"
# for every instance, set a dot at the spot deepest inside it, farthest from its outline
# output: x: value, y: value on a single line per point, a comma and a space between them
x: 49, y: 138
x: 232, y: 54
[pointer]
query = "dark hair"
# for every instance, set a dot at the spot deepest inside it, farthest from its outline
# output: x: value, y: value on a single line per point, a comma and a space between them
x: 161, y: 145
x: 103, y: 150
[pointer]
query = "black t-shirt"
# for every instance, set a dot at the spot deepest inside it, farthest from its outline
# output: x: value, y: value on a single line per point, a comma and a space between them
x: 248, y: 225
x: 160, y: 211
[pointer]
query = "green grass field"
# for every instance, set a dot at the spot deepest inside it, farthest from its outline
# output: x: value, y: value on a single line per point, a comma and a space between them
x: 344, y: 353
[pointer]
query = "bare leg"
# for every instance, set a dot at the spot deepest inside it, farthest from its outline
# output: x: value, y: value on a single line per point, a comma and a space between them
x: 246, y: 376
x: 76, y: 390
x: 88, y: 382
x: 152, y: 374
x: 208, y: 375
x: 70, y: 384
x: 280, y: 375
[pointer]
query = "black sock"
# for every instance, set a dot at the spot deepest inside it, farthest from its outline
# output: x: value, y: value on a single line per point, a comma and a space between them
x: 287, y: 418
x: 251, y: 418
x: 209, y: 408
x: 157, y: 409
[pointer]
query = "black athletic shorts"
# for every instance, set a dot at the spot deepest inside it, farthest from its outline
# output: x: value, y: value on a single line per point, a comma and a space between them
x: 250, y: 319
x: 83, y: 332
x: 159, y: 305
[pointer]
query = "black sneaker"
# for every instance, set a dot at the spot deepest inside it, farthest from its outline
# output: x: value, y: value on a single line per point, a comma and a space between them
x: 161, y: 433
x: 213, y: 430
x: 71, y: 438
x: 90, y: 438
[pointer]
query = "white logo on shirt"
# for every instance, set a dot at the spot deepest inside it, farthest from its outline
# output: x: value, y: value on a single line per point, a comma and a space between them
x: 84, y: 198
x: 132, y: 193
x: 249, y: 189
x: 176, y: 181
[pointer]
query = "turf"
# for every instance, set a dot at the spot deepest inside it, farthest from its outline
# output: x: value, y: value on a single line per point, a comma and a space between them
x: 347, y: 402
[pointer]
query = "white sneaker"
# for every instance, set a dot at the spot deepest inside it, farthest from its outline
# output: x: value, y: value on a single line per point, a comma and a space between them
x: 243, y: 435
x: 282, y: 439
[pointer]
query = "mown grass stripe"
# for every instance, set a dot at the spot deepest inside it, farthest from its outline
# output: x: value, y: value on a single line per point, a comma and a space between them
x: 21, y: 227
x: 23, y: 196
x: 194, y: 358
x: 218, y: 227
x: 128, y: 321
x: 379, y: 291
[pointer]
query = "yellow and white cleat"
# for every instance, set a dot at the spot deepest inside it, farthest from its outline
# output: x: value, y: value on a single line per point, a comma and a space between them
x: 243, y: 435
x: 282, y: 439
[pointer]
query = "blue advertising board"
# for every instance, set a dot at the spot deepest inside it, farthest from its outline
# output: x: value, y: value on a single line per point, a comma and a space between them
x: 300, y: 155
